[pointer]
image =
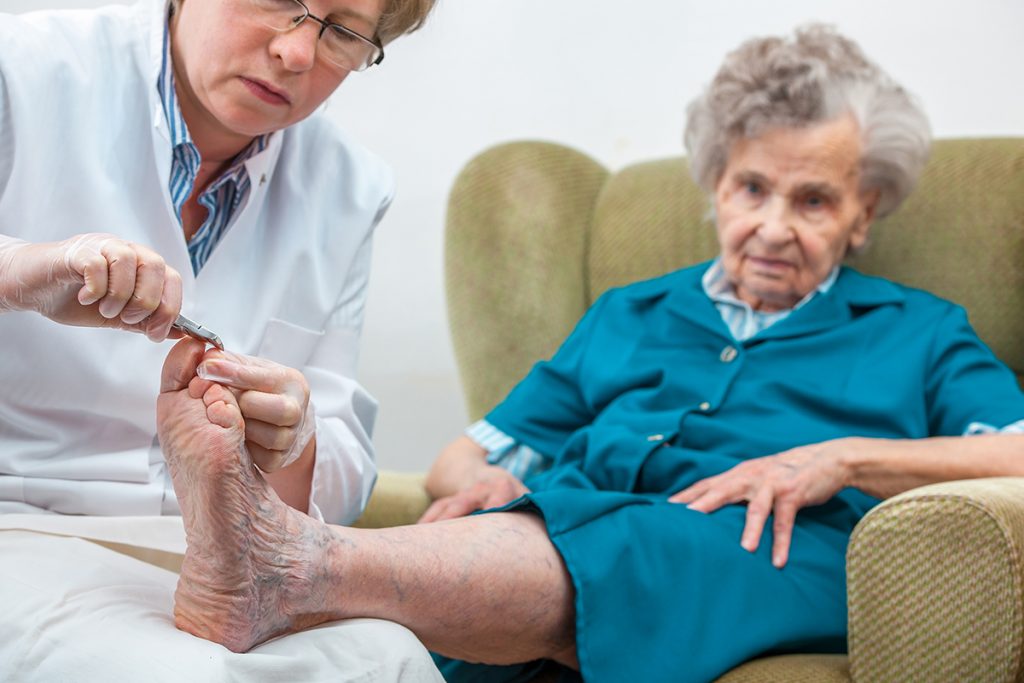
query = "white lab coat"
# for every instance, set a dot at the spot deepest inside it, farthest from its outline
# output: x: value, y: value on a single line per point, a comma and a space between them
x: 84, y: 147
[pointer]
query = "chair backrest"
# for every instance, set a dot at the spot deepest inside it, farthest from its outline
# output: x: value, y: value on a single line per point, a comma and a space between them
x: 537, y: 231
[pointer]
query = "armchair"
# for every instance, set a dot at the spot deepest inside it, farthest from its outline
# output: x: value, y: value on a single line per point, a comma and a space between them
x: 537, y: 231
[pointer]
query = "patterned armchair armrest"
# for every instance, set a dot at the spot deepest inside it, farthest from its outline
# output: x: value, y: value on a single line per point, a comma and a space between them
x: 398, y: 498
x: 935, y: 585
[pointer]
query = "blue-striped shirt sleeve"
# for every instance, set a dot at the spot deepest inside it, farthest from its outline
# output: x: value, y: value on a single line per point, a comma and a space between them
x: 502, y: 450
x: 983, y: 428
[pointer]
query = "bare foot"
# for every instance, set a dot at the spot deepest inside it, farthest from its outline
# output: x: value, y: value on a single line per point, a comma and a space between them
x: 254, y: 567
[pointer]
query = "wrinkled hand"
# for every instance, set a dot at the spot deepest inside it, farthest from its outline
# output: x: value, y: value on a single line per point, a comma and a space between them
x: 91, y: 280
x: 274, y: 400
x: 494, y: 487
x: 781, y: 483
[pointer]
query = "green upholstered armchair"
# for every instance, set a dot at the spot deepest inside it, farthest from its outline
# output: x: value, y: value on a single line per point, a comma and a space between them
x: 537, y: 231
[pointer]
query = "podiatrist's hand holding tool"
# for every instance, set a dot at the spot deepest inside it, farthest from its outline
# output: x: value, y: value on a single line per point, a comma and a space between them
x: 100, y: 280
x: 91, y: 280
x: 274, y: 400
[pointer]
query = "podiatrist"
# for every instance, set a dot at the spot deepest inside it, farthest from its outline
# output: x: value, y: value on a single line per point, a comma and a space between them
x: 165, y: 158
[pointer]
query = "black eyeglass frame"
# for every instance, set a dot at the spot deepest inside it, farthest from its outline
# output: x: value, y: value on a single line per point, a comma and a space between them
x: 324, y: 25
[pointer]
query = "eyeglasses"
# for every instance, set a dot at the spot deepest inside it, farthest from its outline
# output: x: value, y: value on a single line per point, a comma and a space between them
x: 340, y: 46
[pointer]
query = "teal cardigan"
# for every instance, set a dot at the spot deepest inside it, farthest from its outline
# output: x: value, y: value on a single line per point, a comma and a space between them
x: 653, y: 363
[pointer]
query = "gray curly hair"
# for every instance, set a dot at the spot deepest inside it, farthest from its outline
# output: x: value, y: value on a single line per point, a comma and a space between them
x: 817, y: 76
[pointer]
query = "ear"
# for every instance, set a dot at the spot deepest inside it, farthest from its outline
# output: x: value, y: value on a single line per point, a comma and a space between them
x: 862, y: 226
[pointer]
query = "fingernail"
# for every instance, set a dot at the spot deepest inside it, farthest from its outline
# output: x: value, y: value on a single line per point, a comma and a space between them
x: 134, y: 318
x: 214, y: 374
x: 108, y: 311
x: 777, y: 561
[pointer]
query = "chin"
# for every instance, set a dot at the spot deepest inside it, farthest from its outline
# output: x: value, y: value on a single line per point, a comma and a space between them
x: 243, y: 119
x: 251, y: 126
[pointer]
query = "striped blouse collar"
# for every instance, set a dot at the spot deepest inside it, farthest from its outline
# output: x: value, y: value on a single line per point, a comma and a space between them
x: 720, y: 290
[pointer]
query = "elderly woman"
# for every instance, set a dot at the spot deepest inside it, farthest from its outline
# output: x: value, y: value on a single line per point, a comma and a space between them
x: 772, y: 376
x: 160, y: 159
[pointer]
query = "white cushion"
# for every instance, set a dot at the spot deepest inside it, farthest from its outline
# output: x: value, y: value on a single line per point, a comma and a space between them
x: 75, y: 610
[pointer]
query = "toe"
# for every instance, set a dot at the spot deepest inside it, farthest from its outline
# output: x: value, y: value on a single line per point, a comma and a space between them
x: 180, y: 365
x: 224, y: 415
x: 222, y: 408
x: 198, y: 387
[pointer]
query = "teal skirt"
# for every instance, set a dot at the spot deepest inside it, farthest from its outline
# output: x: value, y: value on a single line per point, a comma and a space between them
x: 664, y: 593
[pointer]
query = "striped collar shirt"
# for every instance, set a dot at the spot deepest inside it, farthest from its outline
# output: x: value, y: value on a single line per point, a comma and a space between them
x: 223, y: 198
x: 742, y: 320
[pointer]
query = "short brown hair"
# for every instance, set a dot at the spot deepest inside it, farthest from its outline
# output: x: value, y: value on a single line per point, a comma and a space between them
x: 400, y: 17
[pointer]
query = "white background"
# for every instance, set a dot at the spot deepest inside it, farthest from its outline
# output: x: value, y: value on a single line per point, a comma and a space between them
x: 612, y: 79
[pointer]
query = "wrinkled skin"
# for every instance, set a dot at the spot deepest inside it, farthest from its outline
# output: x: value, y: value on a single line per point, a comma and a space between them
x: 255, y: 568
x: 250, y: 570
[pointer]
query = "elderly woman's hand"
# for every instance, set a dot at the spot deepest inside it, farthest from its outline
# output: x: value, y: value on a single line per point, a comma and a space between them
x: 779, y: 484
x: 494, y: 487
x: 274, y: 400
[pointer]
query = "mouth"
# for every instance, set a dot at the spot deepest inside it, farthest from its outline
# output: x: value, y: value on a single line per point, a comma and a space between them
x: 265, y: 91
x: 769, y: 264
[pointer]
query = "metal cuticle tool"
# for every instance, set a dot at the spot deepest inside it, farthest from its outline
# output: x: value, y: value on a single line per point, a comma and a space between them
x: 197, y: 331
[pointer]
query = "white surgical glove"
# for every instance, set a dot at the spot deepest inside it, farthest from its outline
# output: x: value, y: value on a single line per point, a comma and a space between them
x: 91, y: 280
x: 274, y: 400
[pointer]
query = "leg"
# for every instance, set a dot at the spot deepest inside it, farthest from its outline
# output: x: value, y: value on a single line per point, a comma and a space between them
x: 489, y: 588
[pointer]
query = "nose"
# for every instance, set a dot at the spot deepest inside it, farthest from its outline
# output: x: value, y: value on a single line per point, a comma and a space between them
x: 297, y: 48
x: 776, y: 223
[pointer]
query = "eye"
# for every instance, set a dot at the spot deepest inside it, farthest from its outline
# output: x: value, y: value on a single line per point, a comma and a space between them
x: 815, y: 202
x: 343, y: 36
x: 753, y: 188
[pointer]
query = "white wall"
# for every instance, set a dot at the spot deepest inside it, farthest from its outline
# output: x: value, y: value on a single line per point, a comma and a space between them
x: 612, y: 79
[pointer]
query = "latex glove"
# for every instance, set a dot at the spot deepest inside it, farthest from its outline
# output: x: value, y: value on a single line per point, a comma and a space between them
x: 274, y: 400
x: 91, y: 280
x: 493, y: 488
x: 778, y: 485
